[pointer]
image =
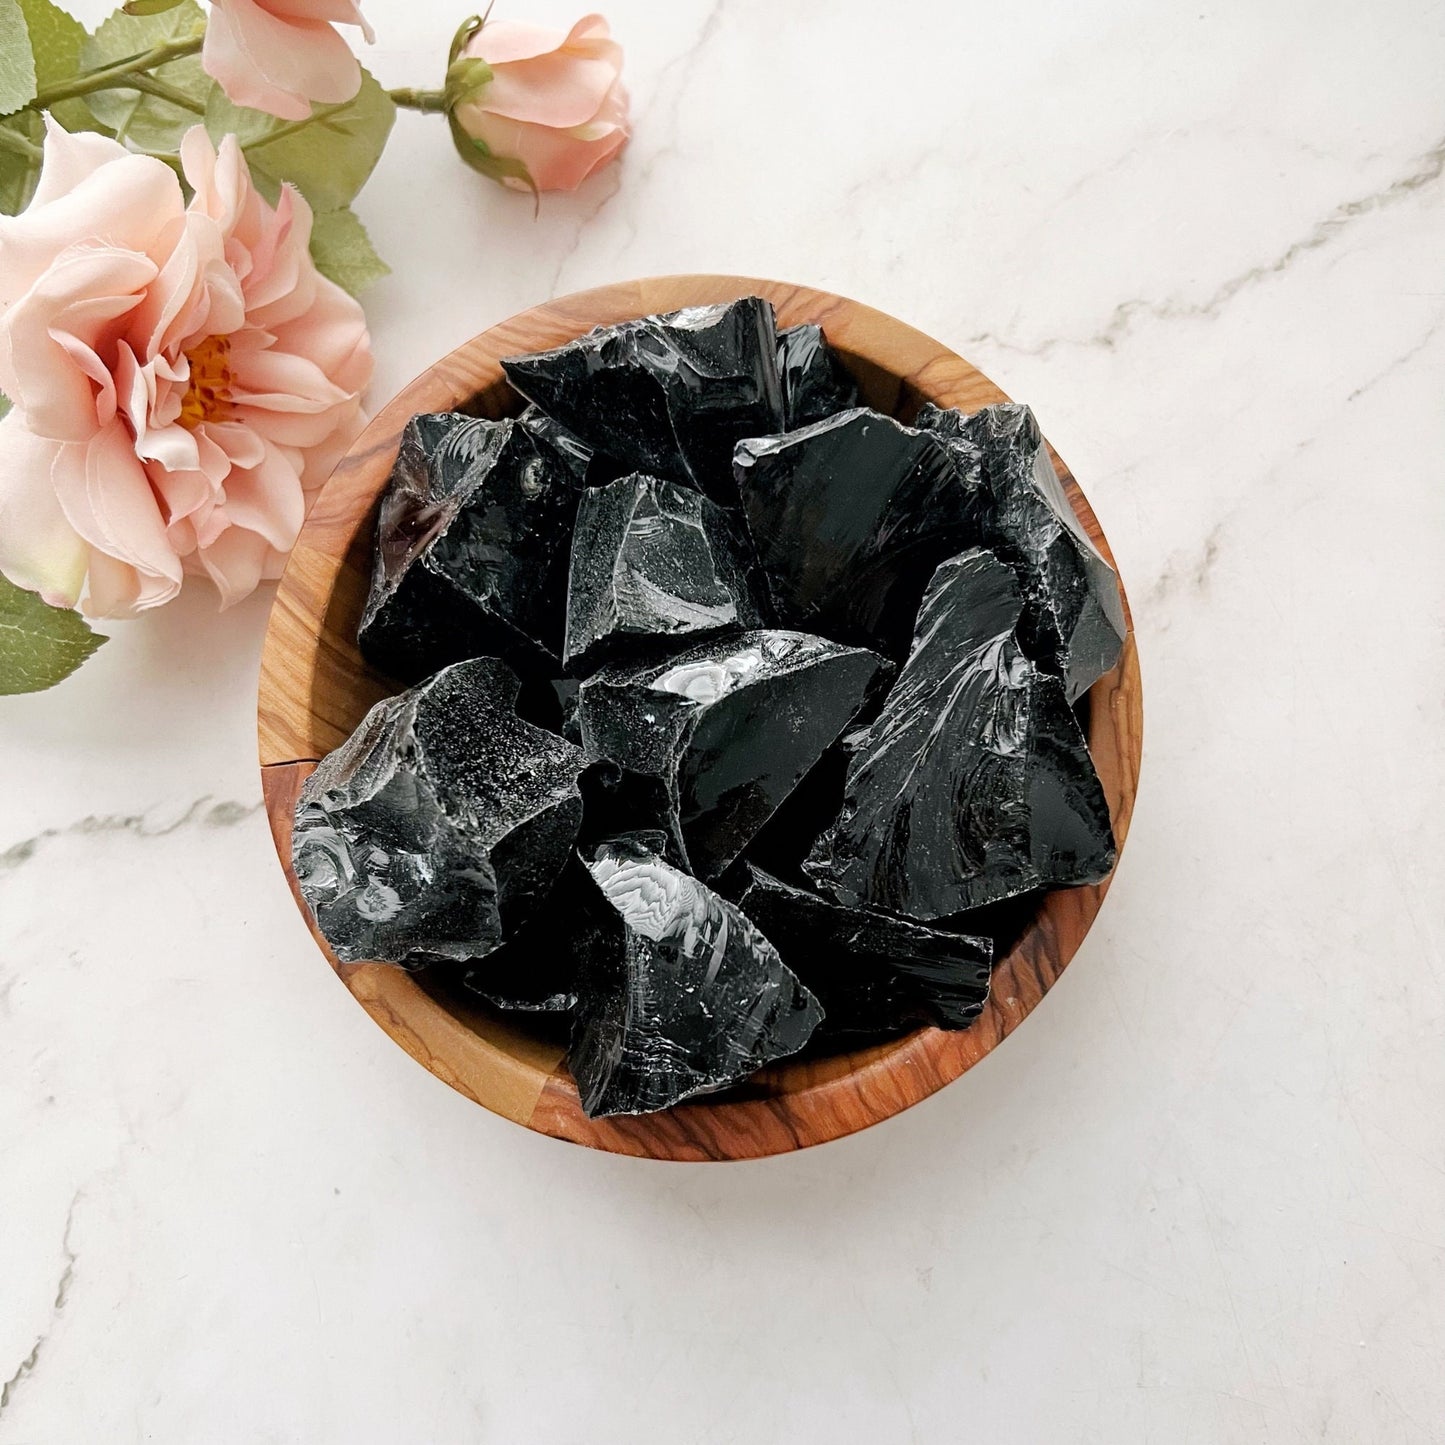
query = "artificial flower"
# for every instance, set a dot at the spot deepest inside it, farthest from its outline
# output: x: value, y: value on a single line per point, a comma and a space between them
x: 183, y: 378
x: 555, y: 102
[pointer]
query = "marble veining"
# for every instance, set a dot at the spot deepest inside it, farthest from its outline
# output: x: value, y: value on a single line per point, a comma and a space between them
x: 204, y: 812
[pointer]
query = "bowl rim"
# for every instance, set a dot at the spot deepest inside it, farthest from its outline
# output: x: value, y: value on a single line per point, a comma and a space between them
x: 313, y: 688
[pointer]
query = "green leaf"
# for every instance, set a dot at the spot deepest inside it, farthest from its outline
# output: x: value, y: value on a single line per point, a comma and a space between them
x: 342, y: 250
x: 149, y: 7
x: 55, y: 38
x: 4, y: 404
x: 17, y: 63
x: 19, y: 171
x: 148, y: 122
x: 39, y: 645
x: 327, y: 158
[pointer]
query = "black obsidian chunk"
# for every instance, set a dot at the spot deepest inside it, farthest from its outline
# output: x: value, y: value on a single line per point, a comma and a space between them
x: 653, y: 560
x: 815, y: 383
x: 974, y: 783
x: 728, y: 727
x: 471, y: 549
x: 570, y: 447
x: 666, y: 395
x: 873, y: 974
x: 439, y: 825
x: 1073, y: 620
x: 679, y: 994
x: 535, y: 970
x: 850, y: 517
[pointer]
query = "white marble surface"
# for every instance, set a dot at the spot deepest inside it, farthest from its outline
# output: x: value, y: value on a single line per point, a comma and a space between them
x: 1201, y: 1196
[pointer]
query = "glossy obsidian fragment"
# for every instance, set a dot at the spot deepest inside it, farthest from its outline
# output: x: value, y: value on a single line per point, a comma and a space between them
x: 653, y: 561
x: 1073, y: 619
x: 678, y: 994
x: 850, y: 517
x: 471, y: 549
x: 535, y: 970
x: 872, y: 973
x: 439, y: 825
x: 815, y: 383
x: 568, y: 445
x: 666, y: 395
x: 728, y: 727
x: 974, y: 783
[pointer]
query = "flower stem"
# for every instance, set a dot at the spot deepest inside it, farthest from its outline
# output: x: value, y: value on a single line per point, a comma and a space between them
x: 122, y: 74
x: 433, y: 101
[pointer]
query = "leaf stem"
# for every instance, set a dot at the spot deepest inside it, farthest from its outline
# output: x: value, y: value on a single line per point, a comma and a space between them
x: 319, y: 112
x: 121, y: 75
x: 158, y: 88
x: 10, y: 141
x: 428, y: 101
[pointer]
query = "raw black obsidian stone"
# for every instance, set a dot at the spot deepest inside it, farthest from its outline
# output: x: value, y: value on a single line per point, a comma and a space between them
x: 681, y: 995
x: 535, y: 970
x: 471, y: 549
x: 569, y: 446
x: 850, y: 517
x: 439, y: 825
x: 974, y: 783
x: 652, y: 560
x: 815, y: 383
x: 1073, y: 619
x: 873, y: 974
x: 729, y: 727
x: 666, y: 395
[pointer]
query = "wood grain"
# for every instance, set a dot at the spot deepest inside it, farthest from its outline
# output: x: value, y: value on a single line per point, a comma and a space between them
x: 315, y: 688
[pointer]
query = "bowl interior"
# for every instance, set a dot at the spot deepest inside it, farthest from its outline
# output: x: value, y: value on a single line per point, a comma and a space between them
x: 315, y: 688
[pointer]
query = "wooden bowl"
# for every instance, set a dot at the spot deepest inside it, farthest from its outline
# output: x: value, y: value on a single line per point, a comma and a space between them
x: 315, y: 689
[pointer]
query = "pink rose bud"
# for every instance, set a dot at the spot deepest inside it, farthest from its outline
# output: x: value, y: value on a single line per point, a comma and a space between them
x: 552, y: 110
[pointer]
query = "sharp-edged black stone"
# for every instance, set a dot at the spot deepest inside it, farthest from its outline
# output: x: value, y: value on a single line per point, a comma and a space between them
x: 872, y: 973
x: 729, y: 727
x: 815, y: 383
x: 974, y: 783
x: 471, y: 549
x: 568, y: 445
x: 535, y: 970
x: 680, y: 994
x: 438, y: 827
x: 850, y: 516
x: 1073, y: 619
x: 666, y: 395
x: 651, y: 561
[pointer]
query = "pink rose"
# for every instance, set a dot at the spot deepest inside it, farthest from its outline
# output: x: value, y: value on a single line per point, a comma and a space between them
x: 183, y: 377
x: 555, y: 102
x: 279, y: 55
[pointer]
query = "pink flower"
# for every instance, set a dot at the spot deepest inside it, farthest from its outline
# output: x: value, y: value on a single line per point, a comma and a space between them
x: 555, y: 102
x: 279, y: 55
x: 183, y: 377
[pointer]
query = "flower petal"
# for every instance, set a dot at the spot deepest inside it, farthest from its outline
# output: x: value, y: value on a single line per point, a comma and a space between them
x: 501, y: 41
x: 558, y: 90
x: 107, y: 498
x: 275, y: 63
x: 39, y: 550
x: 557, y: 160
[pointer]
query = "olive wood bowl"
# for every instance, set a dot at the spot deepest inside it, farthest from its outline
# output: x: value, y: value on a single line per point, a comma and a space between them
x: 315, y: 688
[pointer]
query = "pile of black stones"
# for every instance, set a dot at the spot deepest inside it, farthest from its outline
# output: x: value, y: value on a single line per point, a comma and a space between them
x: 734, y: 709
